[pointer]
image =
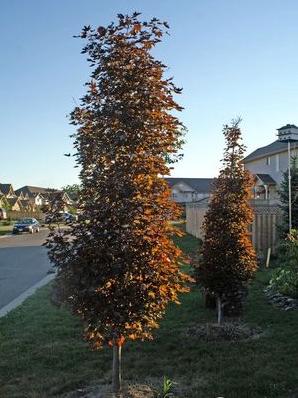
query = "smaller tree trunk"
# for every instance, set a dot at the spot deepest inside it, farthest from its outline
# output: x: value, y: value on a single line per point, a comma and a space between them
x: 210, y: 300
x: 219, y: 311
x: 116, y: 377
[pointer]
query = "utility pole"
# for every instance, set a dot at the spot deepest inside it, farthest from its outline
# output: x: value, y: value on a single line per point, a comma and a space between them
x: 290, y: 187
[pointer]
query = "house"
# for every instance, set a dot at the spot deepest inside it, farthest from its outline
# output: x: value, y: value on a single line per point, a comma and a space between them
x: 8, y: 196
x: 7, y: 191
x: 14, y: 204
x: 269, y: 163
x: 23, y: 196
x: 36, y: 195
x: 26, y: 205
x: 39, y: 196
x: 187, y: 190
x: 59, y: 198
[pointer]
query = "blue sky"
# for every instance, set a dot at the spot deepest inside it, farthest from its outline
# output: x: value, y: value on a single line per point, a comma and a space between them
x: 232, y: 58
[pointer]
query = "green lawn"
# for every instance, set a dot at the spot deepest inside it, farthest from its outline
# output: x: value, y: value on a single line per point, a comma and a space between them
x: 43, y: 355
x: 5, y: 229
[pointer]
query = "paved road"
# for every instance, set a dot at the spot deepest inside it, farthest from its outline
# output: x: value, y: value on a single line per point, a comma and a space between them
x: 23, y: 263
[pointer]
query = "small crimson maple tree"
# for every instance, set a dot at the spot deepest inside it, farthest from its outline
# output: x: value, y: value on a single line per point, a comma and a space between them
x: 118, y: 267
x: 228, y: 259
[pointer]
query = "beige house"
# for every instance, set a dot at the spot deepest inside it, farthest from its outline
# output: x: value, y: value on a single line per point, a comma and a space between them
x: 270, y: 162
x: 29, y: 198
x: 39, y: 196
x: 7, y: 191
x: 189, y: 190
x: 14, y: 204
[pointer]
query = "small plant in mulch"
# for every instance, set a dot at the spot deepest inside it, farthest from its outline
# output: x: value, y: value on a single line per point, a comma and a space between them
x: 151, y: 389
x: 228, y: 331
x: 167, y: 389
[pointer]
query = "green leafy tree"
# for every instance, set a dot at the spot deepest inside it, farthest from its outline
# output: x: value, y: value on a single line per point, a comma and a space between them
x: 5, y: 204
x: 72, y: 190
x: 228, y: 259
x: 284, y: 198
x: 118, y: 266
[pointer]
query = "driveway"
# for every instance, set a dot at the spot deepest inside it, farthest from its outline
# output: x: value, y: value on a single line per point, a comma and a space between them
x: 23, y: 263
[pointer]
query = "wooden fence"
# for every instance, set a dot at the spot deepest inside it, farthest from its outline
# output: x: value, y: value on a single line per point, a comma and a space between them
x: 17, y: 215
x: 267, y: 216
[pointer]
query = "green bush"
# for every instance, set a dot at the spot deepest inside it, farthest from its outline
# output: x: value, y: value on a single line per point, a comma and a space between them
x: 285, y: 281
x: 285, y: 278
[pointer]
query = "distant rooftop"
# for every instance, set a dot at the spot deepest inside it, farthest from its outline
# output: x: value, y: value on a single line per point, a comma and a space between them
x: 288, y: 126
x: 5, y: 188
x: 266, y: 179
x: 271, y: 149
x: 200, y: 185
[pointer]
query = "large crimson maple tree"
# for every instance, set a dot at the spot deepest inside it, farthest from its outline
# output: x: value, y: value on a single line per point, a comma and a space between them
x: 118, y: 267
x: 228, y: 260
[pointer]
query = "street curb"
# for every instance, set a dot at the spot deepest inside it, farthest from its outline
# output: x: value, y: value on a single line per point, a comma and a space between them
x: 10, y: 235
x: 6, y: 236
x: 27, y: 293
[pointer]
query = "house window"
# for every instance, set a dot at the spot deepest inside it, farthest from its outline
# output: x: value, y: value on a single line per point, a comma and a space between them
x: 277, y: 162
x: 268, y: 160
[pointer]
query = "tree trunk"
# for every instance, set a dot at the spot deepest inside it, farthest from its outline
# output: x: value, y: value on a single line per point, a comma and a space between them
x: 210, y: 300
x: 116, y: 377
x: 219, y: 311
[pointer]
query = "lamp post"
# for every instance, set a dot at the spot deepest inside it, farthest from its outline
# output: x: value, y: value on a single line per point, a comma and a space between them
x: 290, y: 185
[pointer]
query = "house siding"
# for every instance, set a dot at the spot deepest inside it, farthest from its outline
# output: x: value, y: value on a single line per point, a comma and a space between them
x: 260, y: 166
x: 183, y: 193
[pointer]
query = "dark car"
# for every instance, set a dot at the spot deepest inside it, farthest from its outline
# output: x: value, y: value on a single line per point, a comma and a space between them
x: 30, y: 225
x: 69, y: 218
x: 62, y: 216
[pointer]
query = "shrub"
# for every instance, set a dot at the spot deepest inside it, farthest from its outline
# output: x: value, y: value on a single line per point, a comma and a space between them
x: 285, y: 279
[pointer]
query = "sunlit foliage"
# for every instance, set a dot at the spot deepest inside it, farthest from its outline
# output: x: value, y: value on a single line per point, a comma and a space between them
x: 228, y: 259
x: 118, y: 267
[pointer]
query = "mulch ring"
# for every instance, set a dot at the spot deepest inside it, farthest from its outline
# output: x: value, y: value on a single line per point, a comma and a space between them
x: 228, y: 331
x: 104, y: 391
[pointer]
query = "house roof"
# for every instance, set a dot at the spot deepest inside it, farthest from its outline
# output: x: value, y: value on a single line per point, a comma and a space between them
x: 266, y: 179
x: 24, y: 202
x: 271, y: 149
x: 33, y: 191
x: 5, y: 188
x: 200, y: 185
x: 12, y: 201
x: 288, y: 126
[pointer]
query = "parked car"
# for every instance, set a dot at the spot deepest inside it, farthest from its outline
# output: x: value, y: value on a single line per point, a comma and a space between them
x: 68, y: 217
x: 3, y: 215
x: 62, y: 216
x: 30, y: 225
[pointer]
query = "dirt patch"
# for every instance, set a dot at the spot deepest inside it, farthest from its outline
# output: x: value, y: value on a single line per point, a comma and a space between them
x: 228, y: 331
x: 104, y: 391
